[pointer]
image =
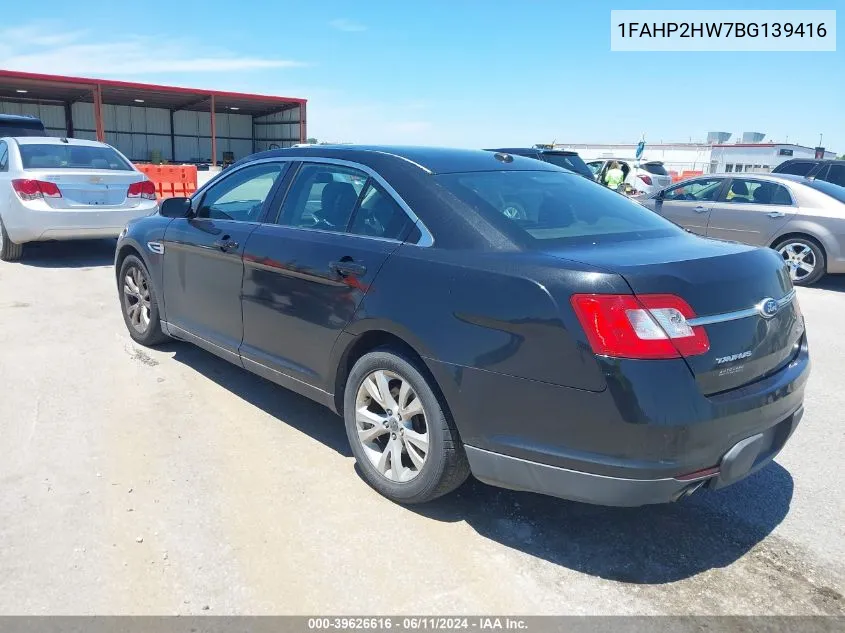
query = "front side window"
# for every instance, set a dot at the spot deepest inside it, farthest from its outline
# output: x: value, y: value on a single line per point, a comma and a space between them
x: 241, y: 195
x: 538, y: 208
x: 62, y: 156
x: 4, y: 156
x: 379, y: 215
x: 695, y: 190
x: 757, y: 192
x: 323, y: 197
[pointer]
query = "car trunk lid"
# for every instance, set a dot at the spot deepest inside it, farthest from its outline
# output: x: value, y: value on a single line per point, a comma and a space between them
x: 89, y: 188
x: 727, y: 285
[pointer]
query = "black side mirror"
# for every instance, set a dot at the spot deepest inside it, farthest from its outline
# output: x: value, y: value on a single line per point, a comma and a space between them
x: 176, y: 208
x: 660, y: 194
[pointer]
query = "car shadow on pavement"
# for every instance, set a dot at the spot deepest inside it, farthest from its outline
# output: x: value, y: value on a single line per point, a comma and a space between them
x: 831, y: 282
x: 69, y: 254
x: 647, y: 545
x: 288, y: 407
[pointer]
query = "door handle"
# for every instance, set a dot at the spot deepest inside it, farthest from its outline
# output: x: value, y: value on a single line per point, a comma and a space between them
x: 348, y: 267
x: 700, y: 209
x: 226, y: 244
x: 776, y: 214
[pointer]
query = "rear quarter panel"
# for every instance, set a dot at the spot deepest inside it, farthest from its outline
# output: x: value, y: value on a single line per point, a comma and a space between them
x: 507, y: 313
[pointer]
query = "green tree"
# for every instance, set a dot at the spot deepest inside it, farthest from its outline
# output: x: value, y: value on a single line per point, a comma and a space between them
x: 312, y: 141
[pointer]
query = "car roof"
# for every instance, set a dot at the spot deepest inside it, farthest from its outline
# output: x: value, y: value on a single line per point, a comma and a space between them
x: 534, y: 150
x: 19, y: 118
x: 432, y: 160
x: 53, y: 140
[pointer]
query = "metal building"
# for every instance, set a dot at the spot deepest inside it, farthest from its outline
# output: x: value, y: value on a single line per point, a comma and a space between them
x: 150, y: 122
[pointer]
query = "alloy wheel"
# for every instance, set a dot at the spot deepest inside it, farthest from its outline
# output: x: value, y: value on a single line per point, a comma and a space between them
x: 800, y: 259
x: 137, y: 298
x: 391, y: 425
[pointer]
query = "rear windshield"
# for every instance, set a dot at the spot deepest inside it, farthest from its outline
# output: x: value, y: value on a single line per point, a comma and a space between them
x: 538, y: 207
x: 71, y: 157
x: 800, y: 168
x: 655, y: 168
x: 572, y: 162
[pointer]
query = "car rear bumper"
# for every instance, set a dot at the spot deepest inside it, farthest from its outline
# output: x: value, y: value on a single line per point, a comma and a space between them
x: 27, y: 225
x: 743, y: 459
x: 649, y: 437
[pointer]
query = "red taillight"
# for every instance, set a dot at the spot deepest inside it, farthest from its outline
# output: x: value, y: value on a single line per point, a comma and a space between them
x: 642, y: 326
x: 142, y: 189
x: 35, y: 189
x: 645, y: 179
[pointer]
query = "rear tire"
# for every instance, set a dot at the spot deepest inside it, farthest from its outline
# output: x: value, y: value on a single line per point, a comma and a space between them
x: 9, y: 251
x: 800, y: 253
x: 139, y: 303
x: 377, y: 433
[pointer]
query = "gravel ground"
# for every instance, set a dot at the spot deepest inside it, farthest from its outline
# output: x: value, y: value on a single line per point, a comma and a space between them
x: 167, y: 481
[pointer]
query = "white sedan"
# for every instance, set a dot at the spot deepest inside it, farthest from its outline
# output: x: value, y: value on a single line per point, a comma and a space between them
x: 64, y: 189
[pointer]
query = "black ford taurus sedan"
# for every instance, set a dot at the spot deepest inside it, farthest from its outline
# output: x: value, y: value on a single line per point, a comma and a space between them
x: 477, y: 312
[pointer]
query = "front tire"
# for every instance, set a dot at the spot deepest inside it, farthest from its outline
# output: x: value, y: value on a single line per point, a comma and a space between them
x: 406, y: 446
x: 805, y: 259
x: 9, y: 251
x: 138, y: 303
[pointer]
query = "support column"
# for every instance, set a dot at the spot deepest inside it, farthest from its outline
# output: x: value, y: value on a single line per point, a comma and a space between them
x: 172, y: 140
x: 69, y: 119
x: 303, y: 136
x: 98, y: 113
x: 213, y: 132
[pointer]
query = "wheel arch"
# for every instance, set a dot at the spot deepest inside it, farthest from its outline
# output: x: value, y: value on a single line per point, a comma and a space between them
x: 382, y: 336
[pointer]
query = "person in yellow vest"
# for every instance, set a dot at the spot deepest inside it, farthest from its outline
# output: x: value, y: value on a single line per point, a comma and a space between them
x: 614, y: 176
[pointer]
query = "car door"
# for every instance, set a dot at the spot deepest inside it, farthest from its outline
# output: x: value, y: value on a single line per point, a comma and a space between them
x: 751, y: 210
x: 689, y: 203
x: 203, y: 266
x: 306, y: 272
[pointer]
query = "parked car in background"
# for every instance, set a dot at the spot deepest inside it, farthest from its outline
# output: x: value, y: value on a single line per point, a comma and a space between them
x: 827, y: 170
x: 17, y: 125
x: 562, y: 158
x: 62, y: 189
x: 649, y: 178
x: 588, y: 349
x: 802, y: 219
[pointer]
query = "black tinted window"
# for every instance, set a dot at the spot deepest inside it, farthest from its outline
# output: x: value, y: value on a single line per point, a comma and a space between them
x: 836, y: 175
x: 61, y: 156
x: 554, y: 206
x: 323, y: 197
x: 4, y: 157
x: 799, y: 168
x: 572, y: 162
x: 655, y: 168
x: 241, y: 195
x: 379, y: 215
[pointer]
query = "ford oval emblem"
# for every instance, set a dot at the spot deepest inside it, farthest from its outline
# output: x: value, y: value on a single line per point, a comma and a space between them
x: 768, y: 308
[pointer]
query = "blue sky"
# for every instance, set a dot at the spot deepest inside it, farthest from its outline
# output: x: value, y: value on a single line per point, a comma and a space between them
x: 464, y: 73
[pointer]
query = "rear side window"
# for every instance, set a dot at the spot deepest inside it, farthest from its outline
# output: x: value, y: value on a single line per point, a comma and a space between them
x: 379, y: 215
x: 22, y: 128
x: 836, y: 175
x: 63, y: 156
x: 323, y: 197
x: 542, y: 207
x: 798, y: 168
x: 757, y: 192
x: 655, y: 168
x: 4, y: 156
